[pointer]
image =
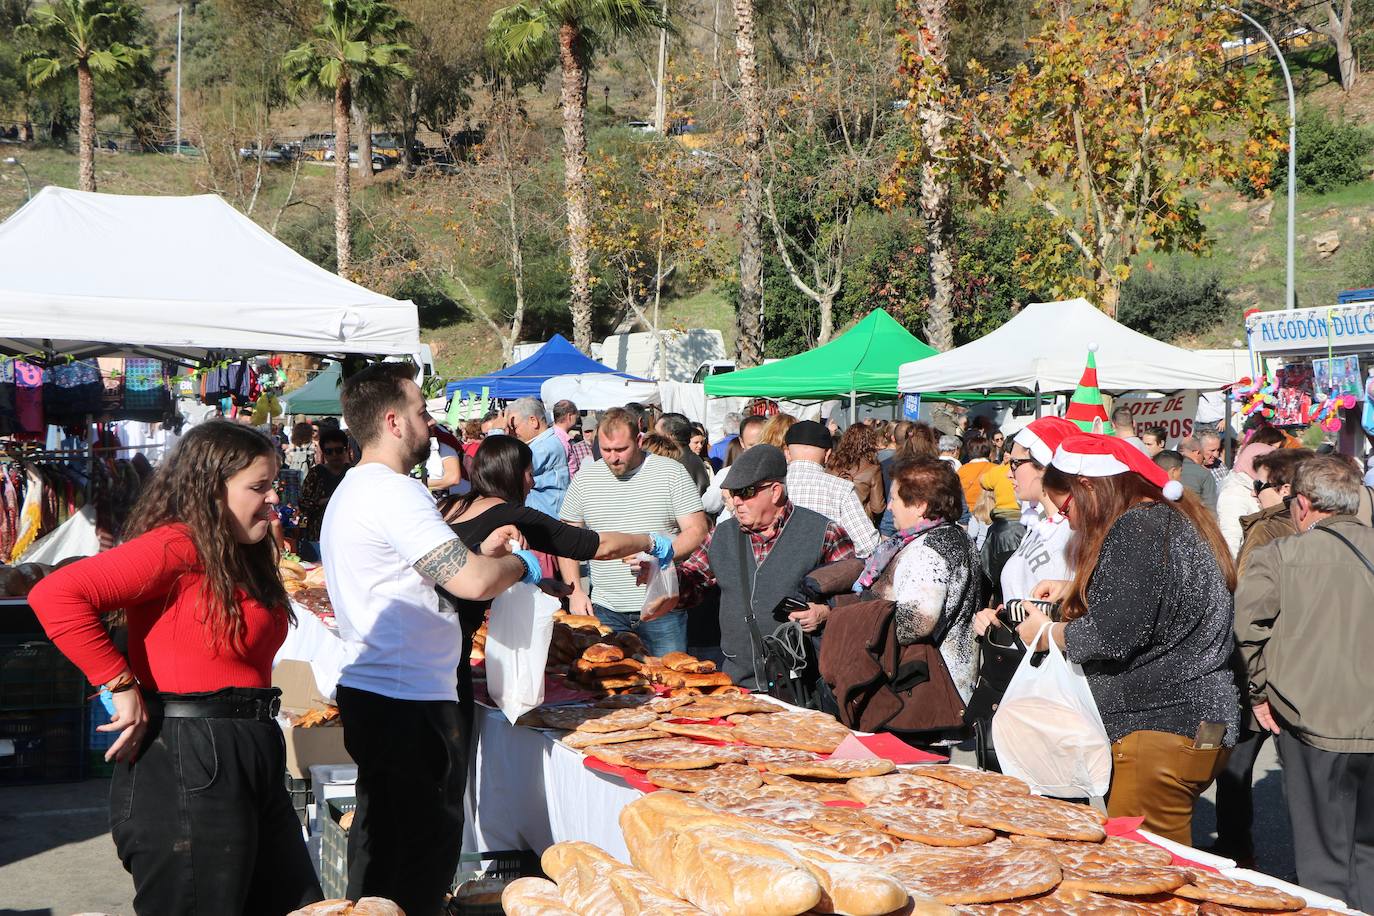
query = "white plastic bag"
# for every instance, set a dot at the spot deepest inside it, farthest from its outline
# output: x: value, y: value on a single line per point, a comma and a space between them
x: 518, y: 634
x: 1047, y: 730
x: 662, y: 588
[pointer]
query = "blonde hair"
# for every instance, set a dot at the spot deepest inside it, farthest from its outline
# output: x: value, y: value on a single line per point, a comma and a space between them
x: 655, y: 444
x: 775, y: 430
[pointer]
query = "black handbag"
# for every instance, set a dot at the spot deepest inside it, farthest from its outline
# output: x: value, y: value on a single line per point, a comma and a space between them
x: 1000, y: 652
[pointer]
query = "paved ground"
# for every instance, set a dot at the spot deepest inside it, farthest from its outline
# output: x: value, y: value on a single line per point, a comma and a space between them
x: 56, y: 857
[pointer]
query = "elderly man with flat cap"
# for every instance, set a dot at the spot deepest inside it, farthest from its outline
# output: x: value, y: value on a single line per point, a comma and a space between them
x: 811, y: 486
x: 760, y: 557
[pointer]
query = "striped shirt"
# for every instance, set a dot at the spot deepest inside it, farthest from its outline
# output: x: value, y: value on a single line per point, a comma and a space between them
x: 650, y: 499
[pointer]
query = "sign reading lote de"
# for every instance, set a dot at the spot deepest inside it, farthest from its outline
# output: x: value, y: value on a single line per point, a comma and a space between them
x: 1174, y: 414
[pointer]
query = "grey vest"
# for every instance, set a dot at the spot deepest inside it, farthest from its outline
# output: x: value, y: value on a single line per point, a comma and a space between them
x: 798, y: 550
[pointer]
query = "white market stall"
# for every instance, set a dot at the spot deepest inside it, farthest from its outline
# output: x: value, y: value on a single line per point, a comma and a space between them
x: 598, y: 391
x: 183, y: 279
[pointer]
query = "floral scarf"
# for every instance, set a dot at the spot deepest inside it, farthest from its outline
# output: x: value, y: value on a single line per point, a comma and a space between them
x: 888, y: 550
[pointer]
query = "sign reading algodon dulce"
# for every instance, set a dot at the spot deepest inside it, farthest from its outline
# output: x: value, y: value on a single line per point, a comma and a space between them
x: 1340, y: 326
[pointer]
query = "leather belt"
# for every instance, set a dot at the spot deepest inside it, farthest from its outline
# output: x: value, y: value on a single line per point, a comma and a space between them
x: 262, y: 709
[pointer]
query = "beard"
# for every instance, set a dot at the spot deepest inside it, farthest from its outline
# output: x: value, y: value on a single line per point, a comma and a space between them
x: 419, y: 453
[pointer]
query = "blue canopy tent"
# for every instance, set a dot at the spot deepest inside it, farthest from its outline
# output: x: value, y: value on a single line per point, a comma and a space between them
x: 523, y: 379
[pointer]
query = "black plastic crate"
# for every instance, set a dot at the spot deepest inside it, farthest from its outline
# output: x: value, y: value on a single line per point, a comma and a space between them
x: 302, y: 795
x: 42, y: 745
x: 35, y: 675
x: 501, y: 867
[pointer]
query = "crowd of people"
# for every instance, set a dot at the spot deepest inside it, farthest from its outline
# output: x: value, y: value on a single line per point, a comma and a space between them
x: 1208, y: 605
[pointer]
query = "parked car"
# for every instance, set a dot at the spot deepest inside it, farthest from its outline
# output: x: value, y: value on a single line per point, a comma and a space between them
x: 317, y: 147
x: 643, y: 127
x: 275, y: 153
x: 389, y: 146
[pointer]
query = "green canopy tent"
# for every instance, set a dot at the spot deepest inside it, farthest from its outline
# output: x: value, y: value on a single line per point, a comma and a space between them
x: 318, y: 397
x: 861, y: 364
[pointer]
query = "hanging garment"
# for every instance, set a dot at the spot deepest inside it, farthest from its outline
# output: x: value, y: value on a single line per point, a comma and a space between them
x: 30, y: 515
x: 72, y: 391
x: 145, y: 390
x: 28, y: 397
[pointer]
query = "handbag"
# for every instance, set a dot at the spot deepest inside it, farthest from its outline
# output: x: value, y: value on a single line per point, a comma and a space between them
x: 998, y: 660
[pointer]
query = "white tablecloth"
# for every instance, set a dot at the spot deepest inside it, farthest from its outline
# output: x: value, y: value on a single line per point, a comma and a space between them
x: 311, y: 641
x: 527, y: 791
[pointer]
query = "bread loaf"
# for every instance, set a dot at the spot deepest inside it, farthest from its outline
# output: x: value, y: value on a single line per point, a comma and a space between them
x: 671, y: 678
x: 582, y: 872
x: 603, y: 652
x: 534, y: 897
x: 687, y: 664
x: 590, y: 670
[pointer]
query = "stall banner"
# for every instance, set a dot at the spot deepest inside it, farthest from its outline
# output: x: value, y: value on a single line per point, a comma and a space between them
x: 911, y: 407
x: 1175, y: 413
x: 1296, y: 330
x: 1336, y: 376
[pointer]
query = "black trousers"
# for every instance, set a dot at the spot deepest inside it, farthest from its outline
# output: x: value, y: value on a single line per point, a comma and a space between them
x: 412, y: 771
x: 1331, y: 805
x: 1235, y: 796
x: 203, y: 823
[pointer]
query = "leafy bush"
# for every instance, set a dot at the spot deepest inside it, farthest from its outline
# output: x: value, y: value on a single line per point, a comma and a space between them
x: 1169, y: 304
x: 1331, y: 154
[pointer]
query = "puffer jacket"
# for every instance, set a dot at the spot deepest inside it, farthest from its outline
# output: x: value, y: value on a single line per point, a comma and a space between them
x: 1235, y: 500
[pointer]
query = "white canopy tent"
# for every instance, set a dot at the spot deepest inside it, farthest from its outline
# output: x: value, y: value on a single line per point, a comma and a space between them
x: 177, y: 278
x: 1044, y: 347
x: 597, y: 391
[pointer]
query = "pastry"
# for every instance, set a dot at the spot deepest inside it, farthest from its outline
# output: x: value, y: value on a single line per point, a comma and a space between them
x: 663, y: 753
x: 974, y: 780
x: 762, y: 756
x: 695, y: 730
x: 619, y: 720
x: 931, y: 826
x: 582, y: 740
x: 1111, y: 851
x: 962, y: 876
x: 1210, y: 887
x: 727, y: 776
x: 585, y: 670
x: 832, y: 769
x: 723, y: 706
x: 1061, y: 901
x: 533, y: 897
x: 687, y: 664
x: 1033, y: 816
x: 870, y: 788
x: 671, y: 678
x: 818, y: 733
x: 818, y: 790
x: 566, y: 718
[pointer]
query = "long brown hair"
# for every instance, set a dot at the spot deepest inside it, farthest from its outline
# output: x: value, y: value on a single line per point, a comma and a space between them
x: 1096, y: 506
x: 857, y: 447
x: 921, y: 441
x: 189, y: 489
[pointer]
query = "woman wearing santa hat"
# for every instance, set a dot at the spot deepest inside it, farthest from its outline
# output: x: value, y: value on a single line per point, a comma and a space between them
x: 1148, y: 615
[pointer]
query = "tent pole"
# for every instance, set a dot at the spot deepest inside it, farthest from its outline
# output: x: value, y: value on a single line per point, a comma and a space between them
x: 853, y: 408
x: 1037, y: 400
x: 1226, y: 428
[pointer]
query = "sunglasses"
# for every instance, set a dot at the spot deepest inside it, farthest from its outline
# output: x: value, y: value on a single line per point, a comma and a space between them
x: 752, y: 490
x: 1015, y: 463
x: 1068, y: 502
x: 1262, y: 485
x: 336, y: 450
x: 1288, y: 502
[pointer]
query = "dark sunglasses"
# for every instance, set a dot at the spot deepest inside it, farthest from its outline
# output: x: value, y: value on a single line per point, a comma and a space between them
x: 1288, y: 502
x: 336, y: 450
x: 752, y: 490
x: 1262, y: 485
x: 1015, y: 463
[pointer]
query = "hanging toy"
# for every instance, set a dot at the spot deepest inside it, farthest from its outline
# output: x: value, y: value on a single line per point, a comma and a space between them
x: 1327, y: 415
x: 1255, y: 396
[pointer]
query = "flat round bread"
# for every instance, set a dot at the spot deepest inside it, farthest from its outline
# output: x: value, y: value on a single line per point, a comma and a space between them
x: 719, y: 707
x: 962, y: 876
x: 857, y: 843
x: 932, y: 826
x: 583, y: 740
x: 1126, y: 880
x: 1058, y: 902
x: 832, y: 769
x: 973, y: 780
x: 565, y: 718
x: 1111, y: 851
x: 774, y: 810
x: 1207, y: 886
x: 664, y: 753
x: 1165, y: 904
x: 620, y: 720
x: 694, y: 730
x: 898, y: 788
x: 762, y: 756
x: 1046, y: 817
x: 820, y: 734
x: 821, y: 790
x: 624, y: 701
x: 1221, y: 909
x: 735, y: 776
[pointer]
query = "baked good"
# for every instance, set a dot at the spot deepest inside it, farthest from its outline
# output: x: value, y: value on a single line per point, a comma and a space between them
x: 962, y: 876
x: 974, y: 780
x: 366, y: 906
x: 832, y: 769
x: 624, y: 700
x: 534, y: 897
x: 619, y: 720
x: 1059, y: 901
x: 822, y: 790
x: 590, y: 881
x: 1221, y: 909
x: 818, y: 733
x: 1208, y: 886
x: 663, y: 753
x: 585, y: 670
x: 726, y: 690
x: 579, y: 621
x: 695, y: 730
x: 686, y: 692
x: 617, y: 683
x: 907, y: 790
x: 762, y: 756
x: 724, y: 706
x: 671, y: 678
x: 857, y: 843
x: 687, y: 664
x: 641, y: 895
x: 565, y: 718
x: 603, y: 652
x: 1167, y: 904
x: 932, y: 826
x: 1111, y: 851
x: 630, y: 644
x: 1033, y: 816
x: 727, y: 776
x: 1125, y: 880
x: 579, y: 741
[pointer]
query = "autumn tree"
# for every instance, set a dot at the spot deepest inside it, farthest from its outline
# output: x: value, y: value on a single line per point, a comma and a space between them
x: 1334, y: 19
x: 1123, y: 113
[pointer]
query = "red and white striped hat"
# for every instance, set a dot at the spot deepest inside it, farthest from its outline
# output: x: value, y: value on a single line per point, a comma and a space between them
x: 1041, y: 437
x: 1089, y: 455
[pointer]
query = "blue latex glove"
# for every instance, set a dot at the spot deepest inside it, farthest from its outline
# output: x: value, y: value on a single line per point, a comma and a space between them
x: 533, y: 574
x: 662, y: 550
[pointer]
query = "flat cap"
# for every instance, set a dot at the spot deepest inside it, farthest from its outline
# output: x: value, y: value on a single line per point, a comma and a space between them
x: 755, y: 465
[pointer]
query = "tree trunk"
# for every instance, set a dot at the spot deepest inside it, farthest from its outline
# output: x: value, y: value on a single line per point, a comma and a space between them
x: 86, y: 125
x: 715, y: 48
x: 364, y: 143
x: 1108, y: 292
x: 932, y: 116
x: 410, y: 122
x: 749, y: 309
x: 574, y: 99
x: 661, y: 86
x: 517, y: 268
x: 1338, y: 28
x: 343, y: 228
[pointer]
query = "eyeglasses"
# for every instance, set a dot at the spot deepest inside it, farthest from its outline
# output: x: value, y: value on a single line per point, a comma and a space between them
x: 1262, y: 485
x: 1068, y: 502
x: 1015, y: 463
x: 752, y: 490
x: 1288, y: 502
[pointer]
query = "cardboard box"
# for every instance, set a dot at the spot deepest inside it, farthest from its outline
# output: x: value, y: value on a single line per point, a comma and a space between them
x: 306, y: 747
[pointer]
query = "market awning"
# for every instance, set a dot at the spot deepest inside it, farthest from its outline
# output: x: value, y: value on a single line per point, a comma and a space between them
x: 863, y: 361
x: 179, y: 278
x: 1044, y: 347
x: 525, y: 378
x: 318, y: 397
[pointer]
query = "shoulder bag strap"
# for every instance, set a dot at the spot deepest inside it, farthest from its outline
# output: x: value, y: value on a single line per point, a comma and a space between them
x: 746, y: 553
x: 1347, y: 542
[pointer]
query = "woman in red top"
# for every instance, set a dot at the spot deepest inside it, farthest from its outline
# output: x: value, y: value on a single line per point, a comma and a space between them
x: 198, y: 807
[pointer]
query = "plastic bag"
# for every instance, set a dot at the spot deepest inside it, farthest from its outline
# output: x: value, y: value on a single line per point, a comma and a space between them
x: 518, y: 633
x: 662, y: 593
x: 1048, y: 732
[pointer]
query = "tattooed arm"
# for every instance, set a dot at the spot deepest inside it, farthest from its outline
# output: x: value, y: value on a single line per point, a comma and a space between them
x: 471, y: 576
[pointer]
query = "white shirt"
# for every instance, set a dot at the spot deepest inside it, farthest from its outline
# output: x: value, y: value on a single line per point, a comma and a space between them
x: 1040, y: 556
x: 399, y: 641
x: 434, y: 464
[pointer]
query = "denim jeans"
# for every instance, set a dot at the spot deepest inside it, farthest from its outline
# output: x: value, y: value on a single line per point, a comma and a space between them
x: 412, y: 772
x: 203, y: 823
x: 660, y: 636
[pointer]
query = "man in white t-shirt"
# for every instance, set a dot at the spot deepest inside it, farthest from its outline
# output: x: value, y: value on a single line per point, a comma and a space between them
x: 385, y: 548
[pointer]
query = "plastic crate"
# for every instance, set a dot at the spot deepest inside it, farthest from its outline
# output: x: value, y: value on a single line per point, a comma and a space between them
x: 487, y: 874
x: 302, y: 796
x: 35, y: 675
x: 501, y: 868
x: 42, y: 745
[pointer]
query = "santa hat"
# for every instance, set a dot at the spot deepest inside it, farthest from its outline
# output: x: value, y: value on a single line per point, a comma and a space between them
x: 1041, y: 437
x: 1086, y: 407
x: 1087, y: 455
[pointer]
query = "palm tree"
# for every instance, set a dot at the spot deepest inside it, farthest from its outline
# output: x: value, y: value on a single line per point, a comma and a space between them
x: 88, y: 36
x: 933, y: 118
x: 749, y: 308
x: 354, y: 47
x: 524, y: 38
